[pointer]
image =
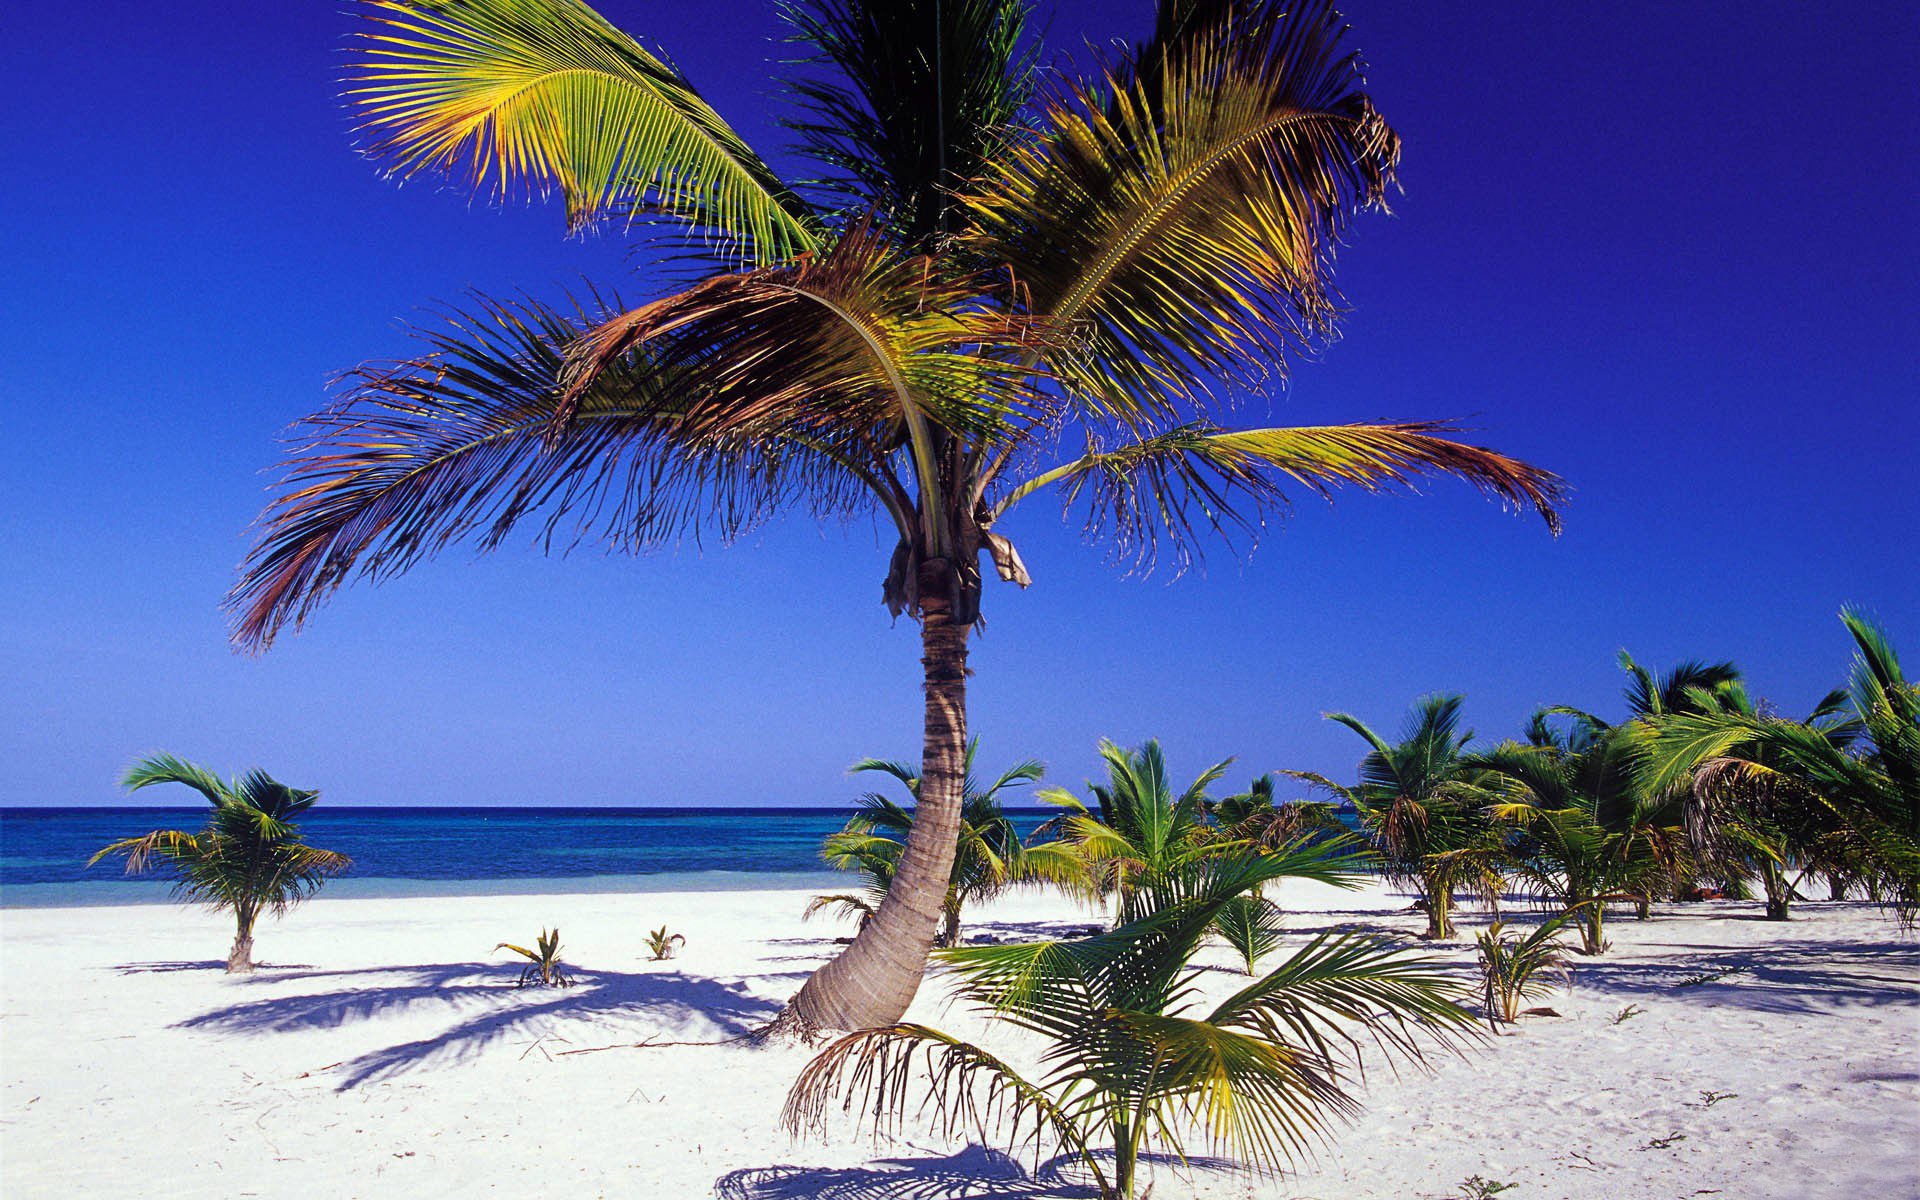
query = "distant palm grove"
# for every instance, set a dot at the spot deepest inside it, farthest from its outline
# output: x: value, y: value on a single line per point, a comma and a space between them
x: 1701, y: 792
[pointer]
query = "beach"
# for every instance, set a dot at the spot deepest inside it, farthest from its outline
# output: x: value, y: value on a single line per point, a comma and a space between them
x: 382, y: 1050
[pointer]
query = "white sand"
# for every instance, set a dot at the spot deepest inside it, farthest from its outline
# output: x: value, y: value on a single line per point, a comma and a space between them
x: 383, y: 1053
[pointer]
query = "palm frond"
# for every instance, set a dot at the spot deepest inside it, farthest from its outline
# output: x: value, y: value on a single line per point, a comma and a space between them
x: 972, y: 1091
x: 1199, y: 479
x: 166, y: 768
x: 922, y: 96
x: 527, y: 95
x: 460, y: 442
x: 1191, y: 226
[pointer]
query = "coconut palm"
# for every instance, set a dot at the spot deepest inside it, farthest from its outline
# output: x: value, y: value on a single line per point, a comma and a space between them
x: 1132, y: 1058
x: 249, y: 859
x: 1597, y: 763
x: 1562, y: 798
x: 1256, y: 817
x: 988, y: 859
x: 1012, y: 283
x: 1137, y: 831
x: 1843, y: 784
x: 1421, y: 809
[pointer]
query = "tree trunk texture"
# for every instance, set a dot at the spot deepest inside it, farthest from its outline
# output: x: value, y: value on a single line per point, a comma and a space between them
x: 874, y: 979
x: 1439, y: 922
x: 1778, y: 893
x: 240, y: 958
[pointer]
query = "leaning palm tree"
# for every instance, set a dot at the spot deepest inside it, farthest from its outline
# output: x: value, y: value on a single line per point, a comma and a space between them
x: 988, y: 859
x: 1010, y: 283
x: 1421, y: 809
x: 249, y: 859
x: 1131, y: 1058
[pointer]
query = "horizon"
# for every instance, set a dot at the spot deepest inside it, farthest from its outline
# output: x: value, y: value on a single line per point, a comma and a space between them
x: 1701, y: 314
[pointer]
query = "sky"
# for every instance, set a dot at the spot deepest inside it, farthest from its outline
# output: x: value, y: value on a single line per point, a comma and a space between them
x: 1667, y: 251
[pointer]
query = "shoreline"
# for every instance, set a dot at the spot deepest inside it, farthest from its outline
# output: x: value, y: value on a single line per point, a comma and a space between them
x: 146, y: 893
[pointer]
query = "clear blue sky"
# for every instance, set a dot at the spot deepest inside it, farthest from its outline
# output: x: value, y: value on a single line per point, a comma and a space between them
x: 1667, y: 250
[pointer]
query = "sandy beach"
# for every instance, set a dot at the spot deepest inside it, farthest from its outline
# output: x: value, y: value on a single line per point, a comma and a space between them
x: 382, y: 1051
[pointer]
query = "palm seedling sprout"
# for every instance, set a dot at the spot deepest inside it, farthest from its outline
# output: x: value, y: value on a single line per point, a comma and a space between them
x: 662, y: 944
x: 543, y: 967
x: 1515, y: 969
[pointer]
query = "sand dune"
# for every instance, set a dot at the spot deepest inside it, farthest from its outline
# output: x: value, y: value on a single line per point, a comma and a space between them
x: 384, y: 1052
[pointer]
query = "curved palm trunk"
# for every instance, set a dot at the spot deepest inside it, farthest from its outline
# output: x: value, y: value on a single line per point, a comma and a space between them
x: 875, y: 978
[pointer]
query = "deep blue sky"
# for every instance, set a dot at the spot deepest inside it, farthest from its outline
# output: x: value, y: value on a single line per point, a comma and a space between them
x: 1668, y: 250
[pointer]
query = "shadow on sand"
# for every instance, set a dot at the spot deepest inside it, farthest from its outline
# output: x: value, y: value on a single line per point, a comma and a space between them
x: 1783, y: 976
x: 975, y: 1173
x: 491, y: 1008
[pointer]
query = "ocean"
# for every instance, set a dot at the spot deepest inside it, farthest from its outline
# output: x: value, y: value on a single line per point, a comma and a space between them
x: 456, y: 851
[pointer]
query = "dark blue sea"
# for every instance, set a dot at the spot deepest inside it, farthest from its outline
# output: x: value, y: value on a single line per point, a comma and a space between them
x: 454, y: 851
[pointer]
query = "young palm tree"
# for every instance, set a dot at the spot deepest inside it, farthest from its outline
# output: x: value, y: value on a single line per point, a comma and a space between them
x: 1254, y: 816
x: 1132, y: 1059
x: 1138, y: 831
x: 1421, y: 809
x: 1010, y: 284
x: 1558, y: 797
x: 1766, y: 788
x: 249, y: 859
x: 988, y: 859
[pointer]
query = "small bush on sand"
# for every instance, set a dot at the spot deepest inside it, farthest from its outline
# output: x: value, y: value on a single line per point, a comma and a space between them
x: 543, y: 962
x: 662, y: 944
x: 1514, y: 970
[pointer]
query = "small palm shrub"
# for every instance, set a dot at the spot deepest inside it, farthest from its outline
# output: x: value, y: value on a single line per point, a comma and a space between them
x: 662, y: 944
x: 543, y: 962
x: 1251, y: 925
x: 1514, y: 970
x: 249, y: 859
x: 1133, y: 1060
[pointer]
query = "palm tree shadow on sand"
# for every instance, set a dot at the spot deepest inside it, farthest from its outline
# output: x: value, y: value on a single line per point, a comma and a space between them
x: 975, y: 1173
x: 492, y: 1008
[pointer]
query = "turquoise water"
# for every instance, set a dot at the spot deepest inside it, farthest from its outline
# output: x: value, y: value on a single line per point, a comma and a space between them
x: 454, y: 851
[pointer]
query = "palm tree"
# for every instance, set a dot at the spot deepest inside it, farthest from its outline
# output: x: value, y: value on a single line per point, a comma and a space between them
x: 1256, y: 817
x: 1137, y: 832
x: 1421, y: 809
x: 988, y: 859
x: 1831, y: 786
x: 1009, y: 284
x: 1560, y: 793
x: 1130, y: 1058
x: 249, y: 859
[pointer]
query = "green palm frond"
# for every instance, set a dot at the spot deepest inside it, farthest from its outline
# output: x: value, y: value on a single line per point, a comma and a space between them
x: 166, y: 768
x: 1251, y: 925
x: 516, y: 96
x: 921, y: 97
x: 1191, y: 226
x: 461, y: 443
x: 1198, y: 478
x: 250, y: 857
